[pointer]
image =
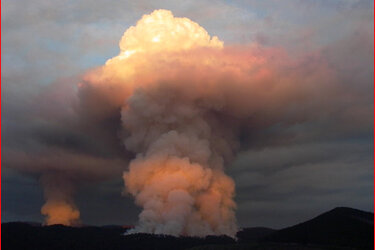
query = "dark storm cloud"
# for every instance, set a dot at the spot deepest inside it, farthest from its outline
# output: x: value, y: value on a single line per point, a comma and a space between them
x: 287, y: 174
x: 301, y: 181
x: 50, y: 135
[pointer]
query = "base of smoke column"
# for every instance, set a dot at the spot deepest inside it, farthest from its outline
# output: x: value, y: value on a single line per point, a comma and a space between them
x: 59, y: 207
x: 60, y: 213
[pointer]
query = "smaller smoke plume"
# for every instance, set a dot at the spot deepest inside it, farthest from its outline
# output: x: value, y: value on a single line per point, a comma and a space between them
x: 59, y: 207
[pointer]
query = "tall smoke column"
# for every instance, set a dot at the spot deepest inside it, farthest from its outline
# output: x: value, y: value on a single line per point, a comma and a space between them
x: 178, y: 175
x: 184, y: 100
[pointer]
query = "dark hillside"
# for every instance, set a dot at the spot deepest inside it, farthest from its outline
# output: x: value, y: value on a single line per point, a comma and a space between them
x: 253, y: 234
x: 339, y: 227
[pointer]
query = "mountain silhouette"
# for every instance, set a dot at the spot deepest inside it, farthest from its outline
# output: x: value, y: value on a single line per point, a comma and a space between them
x: 340, y: 228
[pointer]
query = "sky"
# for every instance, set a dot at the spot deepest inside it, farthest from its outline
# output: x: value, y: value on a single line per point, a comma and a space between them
x: 314, y: 165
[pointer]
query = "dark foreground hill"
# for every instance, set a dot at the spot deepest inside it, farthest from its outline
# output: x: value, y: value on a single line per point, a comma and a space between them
x: 341, y: 228
x: 16, y: 235
x: 254, y: 234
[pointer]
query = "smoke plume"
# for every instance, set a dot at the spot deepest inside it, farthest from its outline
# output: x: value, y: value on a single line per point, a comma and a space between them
x: 185, y: 102
x: 59, y: 208
x: 61, y: 172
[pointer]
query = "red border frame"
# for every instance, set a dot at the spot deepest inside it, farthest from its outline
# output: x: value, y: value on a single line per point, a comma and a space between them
x: 0, y: 124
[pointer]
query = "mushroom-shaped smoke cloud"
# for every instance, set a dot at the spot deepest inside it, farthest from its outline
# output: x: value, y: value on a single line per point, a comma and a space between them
x: 185, y: 101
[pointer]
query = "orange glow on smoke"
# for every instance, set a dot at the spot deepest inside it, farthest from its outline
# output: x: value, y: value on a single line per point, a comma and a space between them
x: 59, y: 212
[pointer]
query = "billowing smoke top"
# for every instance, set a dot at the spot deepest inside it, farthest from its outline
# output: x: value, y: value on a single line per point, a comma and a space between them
x: 161, y: 31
